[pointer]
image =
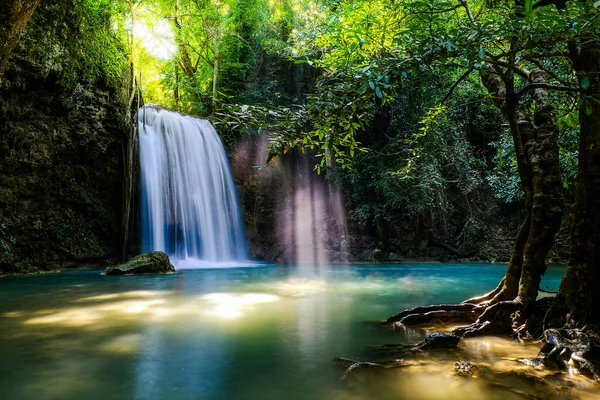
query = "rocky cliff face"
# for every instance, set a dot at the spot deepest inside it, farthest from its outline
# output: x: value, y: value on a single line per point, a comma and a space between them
x: 60, y: 158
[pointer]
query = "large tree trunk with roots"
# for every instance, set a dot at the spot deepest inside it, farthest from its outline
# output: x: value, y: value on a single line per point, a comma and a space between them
x: 506, y: 308
x: 575, y: 312
x: 15, y: 15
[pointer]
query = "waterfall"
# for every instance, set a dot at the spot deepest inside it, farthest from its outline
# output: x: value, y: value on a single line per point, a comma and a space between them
x: 189, y: 202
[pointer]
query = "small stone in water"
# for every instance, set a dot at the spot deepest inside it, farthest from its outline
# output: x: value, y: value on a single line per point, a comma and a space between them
x: 467, y: 369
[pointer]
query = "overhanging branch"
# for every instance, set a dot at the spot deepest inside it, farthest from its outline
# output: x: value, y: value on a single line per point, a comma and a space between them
x: 545, y: 86
x: 462, y: 78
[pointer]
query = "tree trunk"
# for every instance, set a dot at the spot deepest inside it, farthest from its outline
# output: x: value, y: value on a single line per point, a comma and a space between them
x: 536, y: 151
x: 132, y: 60
x: 184, y: 60
x: 521, y: 131
x: 15, y: 15
x: 216, y: 67
x: 579, y: 293
x: 176, y: 90
x: 128, y: 145
x: 546, y: 206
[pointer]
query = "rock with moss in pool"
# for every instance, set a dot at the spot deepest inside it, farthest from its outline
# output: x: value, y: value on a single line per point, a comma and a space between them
x: 154, y: 262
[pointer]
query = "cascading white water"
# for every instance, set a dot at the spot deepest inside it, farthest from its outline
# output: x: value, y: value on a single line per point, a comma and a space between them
x: 189, y: 201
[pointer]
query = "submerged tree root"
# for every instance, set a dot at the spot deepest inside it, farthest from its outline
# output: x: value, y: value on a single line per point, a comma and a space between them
x: 352, y: 367
x: 435, y: 341
x: 371, y: 376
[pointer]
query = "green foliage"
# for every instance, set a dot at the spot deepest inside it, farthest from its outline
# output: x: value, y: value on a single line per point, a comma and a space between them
x: 386, y: 95
x: 424, y: 168
x: 504, y: 177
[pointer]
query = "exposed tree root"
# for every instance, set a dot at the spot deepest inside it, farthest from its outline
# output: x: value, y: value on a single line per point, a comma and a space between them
x: 438, y: 341
x: 501, y: 293
x: 413, y: 312
x: 486, y: 297
x: 439, y: 317
x: 473, y: 311
x: 497, y: 319
x: 504, y: 318
x: 576, y: 350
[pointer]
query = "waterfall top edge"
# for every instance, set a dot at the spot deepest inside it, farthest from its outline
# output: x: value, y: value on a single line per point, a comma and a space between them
x: 159, y: 108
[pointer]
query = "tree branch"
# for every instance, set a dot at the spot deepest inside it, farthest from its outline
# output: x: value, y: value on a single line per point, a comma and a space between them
x: 519, y: 71
x: 532, y: 86
x: 549, y: 72
x: 462, y: 78
x: 465, y: 4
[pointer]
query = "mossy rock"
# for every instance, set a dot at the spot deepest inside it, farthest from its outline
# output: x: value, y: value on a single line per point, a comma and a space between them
x: 154, y: 262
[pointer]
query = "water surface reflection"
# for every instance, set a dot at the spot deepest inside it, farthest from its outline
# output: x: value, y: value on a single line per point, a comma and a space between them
x: 249, y: 333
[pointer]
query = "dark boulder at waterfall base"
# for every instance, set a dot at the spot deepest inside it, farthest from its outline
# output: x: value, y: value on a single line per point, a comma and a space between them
x: 154, y: 262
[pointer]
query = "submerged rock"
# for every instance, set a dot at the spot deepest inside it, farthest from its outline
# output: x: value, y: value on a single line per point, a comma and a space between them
x: 154, y: 262
x: 438, y: 341
x: 468, y: 369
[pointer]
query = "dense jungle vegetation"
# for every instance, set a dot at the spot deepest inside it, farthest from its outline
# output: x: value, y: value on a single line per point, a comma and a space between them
x: 389, y: 98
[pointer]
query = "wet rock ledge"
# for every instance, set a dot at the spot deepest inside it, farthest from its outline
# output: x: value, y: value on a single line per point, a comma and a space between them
x: 154, y: 262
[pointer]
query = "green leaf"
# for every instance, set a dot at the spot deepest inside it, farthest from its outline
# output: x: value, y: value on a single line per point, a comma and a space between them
x: 585, y: 83
x: 587, y: 108
x: 378, y: 92
x: 528, y: 7
x: 372, y: 84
